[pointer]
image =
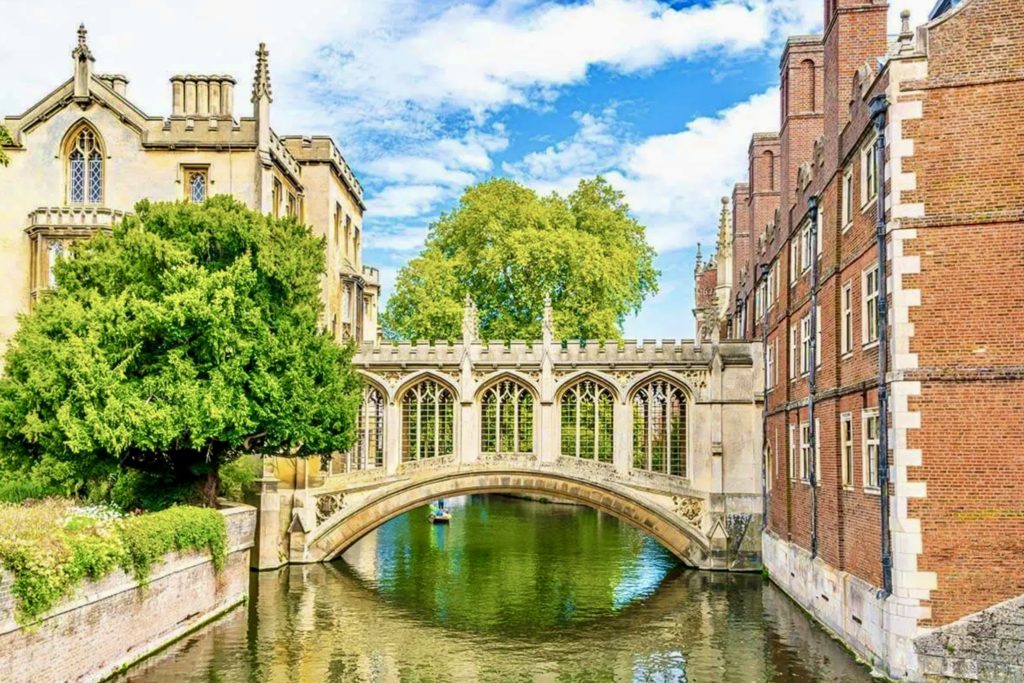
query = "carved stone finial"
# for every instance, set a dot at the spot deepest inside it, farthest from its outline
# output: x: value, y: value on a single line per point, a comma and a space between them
x: 261, y: 82
x: 548, y: 322
x: 82, y: 51
x: 906, y: 37
x: 470, y: 321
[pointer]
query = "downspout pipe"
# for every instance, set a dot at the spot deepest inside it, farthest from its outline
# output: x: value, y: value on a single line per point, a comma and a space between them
x: 879, y: 107
x: 812, y: 374
x: 762, y: 275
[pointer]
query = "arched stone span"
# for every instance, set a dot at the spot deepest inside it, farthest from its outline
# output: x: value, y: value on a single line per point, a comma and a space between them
x: 681, y: 538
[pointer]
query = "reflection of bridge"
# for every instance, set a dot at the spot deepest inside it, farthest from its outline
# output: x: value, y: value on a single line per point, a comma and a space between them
x: 665, y: 436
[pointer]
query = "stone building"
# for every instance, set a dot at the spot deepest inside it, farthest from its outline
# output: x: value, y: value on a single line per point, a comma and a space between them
x: 84, y: 154
x: 876, y: 254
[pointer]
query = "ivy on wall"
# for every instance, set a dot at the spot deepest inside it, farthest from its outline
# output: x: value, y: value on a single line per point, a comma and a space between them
x: 51, y: 547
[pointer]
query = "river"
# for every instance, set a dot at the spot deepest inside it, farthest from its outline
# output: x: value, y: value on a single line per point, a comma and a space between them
x: 511, y: 590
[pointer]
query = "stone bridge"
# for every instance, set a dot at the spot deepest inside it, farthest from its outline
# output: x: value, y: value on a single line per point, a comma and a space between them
x: 664, y: 435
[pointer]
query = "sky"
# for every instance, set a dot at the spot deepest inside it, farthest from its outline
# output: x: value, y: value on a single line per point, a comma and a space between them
x: 425, y: 97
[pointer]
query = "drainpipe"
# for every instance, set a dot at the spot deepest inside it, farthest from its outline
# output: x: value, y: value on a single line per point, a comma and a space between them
x: 763, y: 272
x: 879, y: 107
x: 812, y: 361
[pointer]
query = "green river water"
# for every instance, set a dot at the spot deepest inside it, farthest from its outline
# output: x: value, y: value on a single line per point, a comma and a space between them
x: 512, y: 590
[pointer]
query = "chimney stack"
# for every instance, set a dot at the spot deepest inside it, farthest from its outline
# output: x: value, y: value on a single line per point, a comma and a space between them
x: 202, y: 97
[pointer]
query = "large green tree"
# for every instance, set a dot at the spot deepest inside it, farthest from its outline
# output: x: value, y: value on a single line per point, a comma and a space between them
x: 183, y: 339
x: 508, y: 248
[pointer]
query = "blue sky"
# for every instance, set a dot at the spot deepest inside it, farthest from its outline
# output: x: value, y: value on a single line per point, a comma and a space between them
x: 427, y: 96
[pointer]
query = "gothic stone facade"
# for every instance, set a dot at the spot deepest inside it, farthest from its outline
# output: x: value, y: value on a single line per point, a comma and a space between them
x: 926, y: 443
x: 83, y: 155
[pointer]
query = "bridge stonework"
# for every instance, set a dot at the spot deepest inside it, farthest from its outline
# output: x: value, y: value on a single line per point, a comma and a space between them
x: 665, y: 436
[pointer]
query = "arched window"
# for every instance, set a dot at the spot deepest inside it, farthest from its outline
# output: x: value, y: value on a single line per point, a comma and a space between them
x: 197, y: 187
x: 85, y: 168
x: 428, y: 421
x: 587, y: 421
x: 506, y: 419
x: 659, y: 428
x: 370, y: 446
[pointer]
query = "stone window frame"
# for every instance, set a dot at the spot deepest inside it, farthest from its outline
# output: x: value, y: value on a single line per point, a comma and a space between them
x: 371, y: 435
x: 846, y: 341
x: 868, y: 173
x: 794, y: 259
x: 598, y: 393
x: 432, y: 395
x: 677, y: 404
x: 806, y: 257
x: 188, y: 171
x: 869, y: 307
x: 769, y: 362
x: 769, y: 466
x: 91, y: 194
x: 847, y: 200
x: 503, y: 393
x: 870, y: 465
x: 846, y: 449
x: 792, y: 451
x: 805, y: 345
x: 794, y: 340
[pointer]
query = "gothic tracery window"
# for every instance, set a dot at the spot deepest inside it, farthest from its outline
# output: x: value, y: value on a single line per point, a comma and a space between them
x: 587, y: 410
x: 428, y: 421
x: 659, y: 428
x: 197, y: 182
x: 506, y: 419
x: 369, y: 449
x: 85, y: 168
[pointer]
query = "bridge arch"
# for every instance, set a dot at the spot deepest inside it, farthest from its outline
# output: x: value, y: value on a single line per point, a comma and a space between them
x: 674, y: 532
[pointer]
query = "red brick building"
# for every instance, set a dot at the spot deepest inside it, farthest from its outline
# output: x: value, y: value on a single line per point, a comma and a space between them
x: 878, y: 253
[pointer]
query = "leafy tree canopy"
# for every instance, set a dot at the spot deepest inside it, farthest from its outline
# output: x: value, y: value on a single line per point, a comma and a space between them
x: 183, y: 339
x: 508, y: 248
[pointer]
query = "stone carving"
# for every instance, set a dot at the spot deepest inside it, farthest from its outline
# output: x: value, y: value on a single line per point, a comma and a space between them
x: 327, y: 505
x: 470, y: 322
x: 689, y: 508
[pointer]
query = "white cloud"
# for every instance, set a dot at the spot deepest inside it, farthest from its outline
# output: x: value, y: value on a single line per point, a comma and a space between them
x: 672, y: 182
x: 397, y: 201
x: 594, y: 147
x: 397, y: 238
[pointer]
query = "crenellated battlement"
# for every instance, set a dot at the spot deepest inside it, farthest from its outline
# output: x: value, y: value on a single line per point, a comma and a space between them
x: 611, y: 353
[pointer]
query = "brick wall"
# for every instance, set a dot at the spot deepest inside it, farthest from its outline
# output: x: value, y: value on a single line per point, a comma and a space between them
x: 112, y: 622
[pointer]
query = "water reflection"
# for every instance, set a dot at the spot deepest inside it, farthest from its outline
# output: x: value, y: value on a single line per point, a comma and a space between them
x: 511, y: 591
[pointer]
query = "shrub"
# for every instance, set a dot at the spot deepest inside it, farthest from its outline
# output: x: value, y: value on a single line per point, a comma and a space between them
x: 51, y: 547
x: 237, y: 477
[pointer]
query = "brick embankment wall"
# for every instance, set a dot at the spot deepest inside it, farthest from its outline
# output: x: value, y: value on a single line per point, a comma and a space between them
x: 113, y: 622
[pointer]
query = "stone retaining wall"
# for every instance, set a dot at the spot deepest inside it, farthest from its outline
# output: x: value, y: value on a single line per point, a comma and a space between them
x: 987, y: 646
x: 113, y: 622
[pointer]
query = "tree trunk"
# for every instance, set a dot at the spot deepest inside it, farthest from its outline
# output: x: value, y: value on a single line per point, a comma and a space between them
x: 211, y: 489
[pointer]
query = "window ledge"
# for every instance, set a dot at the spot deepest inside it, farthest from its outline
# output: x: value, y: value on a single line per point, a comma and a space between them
x: 846, y: 356
x: 870, y: 345
x: 871, y: 202
x: 872, y: 491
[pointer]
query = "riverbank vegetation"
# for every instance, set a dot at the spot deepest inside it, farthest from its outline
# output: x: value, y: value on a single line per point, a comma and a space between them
x: 52, y: 546
x: 186, y: 338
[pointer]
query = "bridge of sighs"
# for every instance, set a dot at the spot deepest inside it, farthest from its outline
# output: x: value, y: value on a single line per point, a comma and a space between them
x: 664, y: 435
